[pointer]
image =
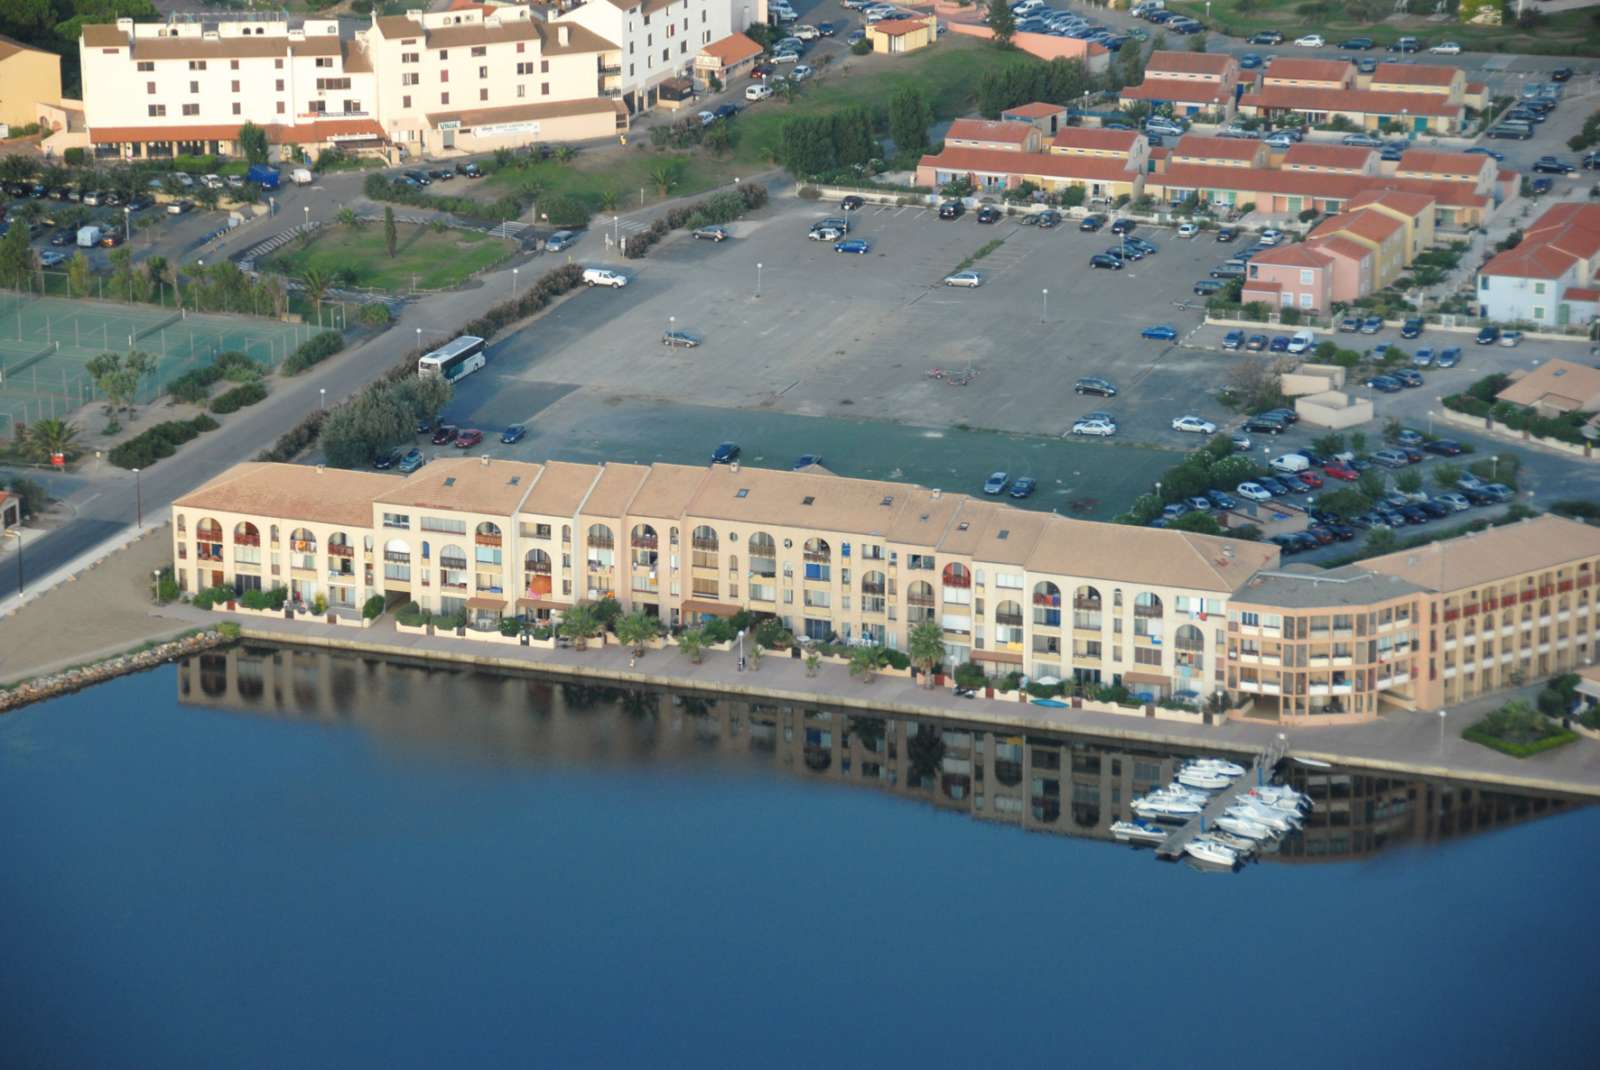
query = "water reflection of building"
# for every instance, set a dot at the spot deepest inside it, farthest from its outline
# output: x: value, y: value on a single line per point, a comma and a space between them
x: 1049, y: 782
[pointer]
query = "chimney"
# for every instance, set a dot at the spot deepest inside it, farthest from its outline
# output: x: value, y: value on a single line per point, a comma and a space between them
x: 563, y: 35
x: 484, y: 460
x: 733, y: 466
x: 319, y: 469
x: 937, y: 492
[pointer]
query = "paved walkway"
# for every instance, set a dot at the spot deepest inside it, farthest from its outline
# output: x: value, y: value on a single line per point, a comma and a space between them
x: 1414, y: 744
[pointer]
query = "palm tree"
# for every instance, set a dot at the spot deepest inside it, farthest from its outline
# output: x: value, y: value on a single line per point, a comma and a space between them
x: 927, y: 647
x: 565, y: 153
x: 155, y: 269
x: 316, y: 283
x: 347, y: 218
x: 693, y: 643
x: 636, y: 629
x: 865, y: 661
x: 579, y: 624
x: 664, y: 173
x: 534, y: 190
x: 609, y: 199
x: 812, y: 660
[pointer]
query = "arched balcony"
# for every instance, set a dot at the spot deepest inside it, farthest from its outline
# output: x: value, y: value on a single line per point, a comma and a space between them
x: 246, y: 543
x: 452, y: 570
x: 874, y: 588
x: 703, y: 545
x: 1008, y: 625
x: 302, y: 549
x: 537, y: 572
x: 818, y: 557
x: 208, y: 540
x: 1189, y: 643
x: 920, y: 604
x: 1086, y: 608
x: 341, y: 555
x: 1046, y: 605
x: 397, y: 560
x: 763, y: 551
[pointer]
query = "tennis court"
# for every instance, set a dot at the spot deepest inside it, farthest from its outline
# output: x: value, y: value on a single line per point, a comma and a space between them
x: 46, y: 344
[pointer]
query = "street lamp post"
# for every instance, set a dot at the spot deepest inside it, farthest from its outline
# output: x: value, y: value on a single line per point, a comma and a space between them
x: 419, y: 339
x: 616, y: 231
x: 308, y: 215
x: 741, y: 649
x: 322, y: 403
x: 138, y: 498
x: 758, y: 278
x: 1494, y: 468
x: 1442, y: 714
x: 1044, y: 307
x: 513, y: 284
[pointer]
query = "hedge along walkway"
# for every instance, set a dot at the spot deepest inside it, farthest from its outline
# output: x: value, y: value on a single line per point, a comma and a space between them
x: 424, y: 258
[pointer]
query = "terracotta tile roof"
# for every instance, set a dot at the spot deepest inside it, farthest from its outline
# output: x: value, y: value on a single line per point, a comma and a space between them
x: 1374, y: 226
x: 1566, y: 214
x: 898, y: 27
x: 1168, y: 62
x: 1309, y: 154
x: 667, y: 491
x: 9, y: 48
x: 465, y: 485
x: 293, y: 492
x: 1411, y: 204
x: 732, y: 49
x: 986, y: 130
x: 1308, y: 70
x: 1263, y: 286
x: 1293, y: 255
x: 1036, y: 110
x: 104, y: 35
x: 1160, y: 152
x: 1216, y: 148
x: 1031, y: 164
x: 579, y: 39
x: 1491, y: 555
x: 1177, y: 90
x: 1530, y: 260
x: 1091, y: 139
x: 1476, y: 88
x: 1580, y: 293
x: 312, y: 133
x: 1328, y: 185
x: 1413, y: 74
x: 1130, y: 554
x: 1355, y: 101
x: 1427, y: 161
x: 616, y: 487
x: 560, y: 489
x: 1339, y: 245
x: 357, y: 60
x: 1560, y: 384
x: 517, y: 113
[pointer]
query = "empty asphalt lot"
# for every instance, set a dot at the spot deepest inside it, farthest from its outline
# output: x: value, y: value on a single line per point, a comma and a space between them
x: 833, y: 334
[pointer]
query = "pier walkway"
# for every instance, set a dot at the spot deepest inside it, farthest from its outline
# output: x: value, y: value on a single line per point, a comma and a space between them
x: 1258, y: 773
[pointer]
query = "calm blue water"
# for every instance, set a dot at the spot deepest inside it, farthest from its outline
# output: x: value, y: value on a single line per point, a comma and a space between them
x: 186, y: 887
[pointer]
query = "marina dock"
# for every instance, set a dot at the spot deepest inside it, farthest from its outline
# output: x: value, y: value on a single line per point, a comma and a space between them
x: 1259, y: 772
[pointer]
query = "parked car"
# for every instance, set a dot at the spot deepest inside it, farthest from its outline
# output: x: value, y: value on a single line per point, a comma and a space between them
x: 726, y: 453
x: 1448, y: 357
x: 1263, y: 425
x: 1256, y: 343
x: 989, y: 214
x: 804, y: 461
x: 1310, y: 40
x: 468, y: 438
x: 1161, y: 332
x: 679, y: 340
x: 1097, y: 428
x: 1233, y: 339
x: 604, y: 277
x: 1105, y: 261
x: 1391, y: 458
x: 1385, y: 384
x: 1267, y: 37
x: 1372, y: 324
x: 1188, y: 230
x: 1227, y: 234
x: 1049, y: 218
x: 561, y: 239
x: 1552, y: 165
x: 1407, y: 377
x: 996, y: 483
x: 1194, y: 425
x: 1488, y: 336
x: 514, y: 433
x: 1279, y: 343
x: 410, y: 461
x: 1510, y: 339
x: 1340, y: 470
x: 713, y: 233
x: 1023, y: 487
x: 1221, y: 499
x: 856, y: 246
x: 1254, y: 492
x: 1444, y: 447
x: 1092, y: 222
x: 970, y: 279
x: 1207, y: 287
x: 445, y: 434
x: 1095, y: 386
x: 951, y: 210
x: 1123, y: 226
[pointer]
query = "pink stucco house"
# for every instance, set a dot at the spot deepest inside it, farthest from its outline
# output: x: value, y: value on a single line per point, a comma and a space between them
x: 1291, y: 276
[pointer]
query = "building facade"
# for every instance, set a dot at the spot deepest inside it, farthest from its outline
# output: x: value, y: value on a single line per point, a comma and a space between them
x: 29, y: 78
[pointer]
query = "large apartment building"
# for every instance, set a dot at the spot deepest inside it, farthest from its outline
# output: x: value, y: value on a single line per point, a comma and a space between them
x: 1162, y: 612
x: 472, y: 78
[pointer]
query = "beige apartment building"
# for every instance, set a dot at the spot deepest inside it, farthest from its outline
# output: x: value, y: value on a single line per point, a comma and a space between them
x: 1166, y: 613
x: 29, y: 77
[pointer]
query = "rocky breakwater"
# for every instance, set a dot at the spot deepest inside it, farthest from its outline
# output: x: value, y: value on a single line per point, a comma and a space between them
x: 49, y: 685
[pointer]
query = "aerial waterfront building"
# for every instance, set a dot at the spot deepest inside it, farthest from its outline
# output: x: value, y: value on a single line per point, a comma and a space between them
x: 1168, y: 613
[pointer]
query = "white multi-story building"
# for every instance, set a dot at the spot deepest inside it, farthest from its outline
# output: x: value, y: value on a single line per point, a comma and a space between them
x: 474, y: 78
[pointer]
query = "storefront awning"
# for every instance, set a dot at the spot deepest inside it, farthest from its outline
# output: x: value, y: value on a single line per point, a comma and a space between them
x: 1146, y: 678
x: 480, y: 602
x: 716, y: 609
x: 1002, y: 657
x: 541, y: 603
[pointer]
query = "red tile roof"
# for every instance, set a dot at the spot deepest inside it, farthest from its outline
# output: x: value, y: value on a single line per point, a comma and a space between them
x: 1036, y: 110
x: 1530, y: 260
x: 302, y: 134
x: 1566, y: 214
x: 1261, y: 286
x: 1178, y: 91
x: 1166, y: 62
x: 1426, y: 161
x: 1374, y: 226
x: 1327, y: 185
x: 899, y: 27
x: 986, y: 130
x: 1309, y: 70
x: 1563, y: 234
x: 1574, y: 293
x: 1296, y: 255
x: 1308, y: 154
x: 1413, y: 74
x: 1339, y: 245
x: 1216, y: 148
x: 1412, y: 204
x: 732, y: 49
x: 1030, y: 164
x: 1362, y: 101
x: 1094, y: 140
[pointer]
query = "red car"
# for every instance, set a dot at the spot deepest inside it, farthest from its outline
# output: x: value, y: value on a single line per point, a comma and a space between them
x: 445, y: 435
x: 468, y: 437
x: 761, y: 71
x: 1310, y: 479
x: 1340, y: 470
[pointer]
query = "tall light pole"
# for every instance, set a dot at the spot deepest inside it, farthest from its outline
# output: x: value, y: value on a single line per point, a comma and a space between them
x: 18, y: 534
x: 1044, y: 308
x: 758, y: 278
x: 308, y: 216
x: 138, y: 498
x: 616, y: 231
x: 1494, y: 468
x: 1442, y: 714
x: 513, y: 284
x: 127, y: 223
x: 322, y: 402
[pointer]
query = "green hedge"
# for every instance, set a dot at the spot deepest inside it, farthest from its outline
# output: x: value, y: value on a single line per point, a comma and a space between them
x: 239, y: 397
x: 372, y: 607
x: 210, y: 596
x: 270, y: 599
x: 380, y: 187
x: 412, y: 615
x: 722, y: 207
x: 160, y: 441
x: 1560, y: 738
x: 295, y: 441
x: 314, y: 350
x: 193, y: 385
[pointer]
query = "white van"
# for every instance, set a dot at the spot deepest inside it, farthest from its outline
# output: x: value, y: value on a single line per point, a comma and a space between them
x: 89, y: 236
x: 301, y: 176
x: 604, y: 277
x: 757, y: 92
x: 1302, y: 341
x: 1290, y: 463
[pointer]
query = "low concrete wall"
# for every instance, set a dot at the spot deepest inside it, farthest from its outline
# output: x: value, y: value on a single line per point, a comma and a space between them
x: 1500, y: 430
x: 1334, y: 410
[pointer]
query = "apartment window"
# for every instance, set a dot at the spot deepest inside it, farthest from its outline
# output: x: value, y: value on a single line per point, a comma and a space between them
x: 194, y: 87
x: 1305, y: 276
x: 235, y: 85
x: 157, y: 110
x: 444, y: 76
x: 444, y: 98
x: 522, y: 92
x: 544, y: 89
x: 397, y: 520
x: 150, y: 87
x: 524, y: 68
x: 410, y: 78
x: 324, y: 61
x: 444, y: 54
x: 522, y: 46
x: 280, y: 107
x: 405, y: 102
x: 483, y: 94
x: 408, y: 57
x: 277, y: 64
x: 483, y: 72
x: 146, y: 66
x: 191, y: 109
x: 280, y: 85
x: 1145, y: 655
x: 1538, y: 312
x: 479, y: 50
x: 318, y: 107
x: 544, y: 66
x: 333, y: 83
x: 683, y: 46
x: 1538, y: 287
x: 197, y: 65
x: 666, y: 54
x: 237, y: 108
x: 233, y: 64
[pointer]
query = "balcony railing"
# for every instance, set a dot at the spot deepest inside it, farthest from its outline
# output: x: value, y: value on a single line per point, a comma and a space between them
x: 601, y: 542
x: 924, y: 601
x: 646, y: 542
x: 487, y: 540
x: 1148, y: 611
x: 873, y: 590
x: 1008, y: 620
x: 704, y: 544
x: 958, y: 581
x: 247, y: 540
x: 1092, y: 604
x: 341, y: 550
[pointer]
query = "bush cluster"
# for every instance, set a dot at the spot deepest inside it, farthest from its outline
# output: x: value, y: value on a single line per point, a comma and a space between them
x: 160, y: 441
x: 722, y: 207
x: 272, y: 599
x: 372, y: 607
x: 193, y: 385
x: 210, y: 596
x: 412, y: 615
x: 379, y: 187
x: 239, y: 397
x: 551, y: 284
x: 314, y: 350
x: 295, y: 441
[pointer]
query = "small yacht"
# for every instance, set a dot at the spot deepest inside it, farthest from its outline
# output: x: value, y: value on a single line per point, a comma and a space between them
x: 1243, y: 826
x: 1249, y: 813
x: 1180, y: 809
x: 1210, y: 851
x: 1217, y: 765
x: 1139, y: 832
x: 1238, y: 844
x: 1178, y: 791
x: 1288, y: 813
x: 1283, y: 797
x: 1200, y: 778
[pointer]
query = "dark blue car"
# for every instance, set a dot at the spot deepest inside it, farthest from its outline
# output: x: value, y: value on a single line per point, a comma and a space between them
x: 514, y: 433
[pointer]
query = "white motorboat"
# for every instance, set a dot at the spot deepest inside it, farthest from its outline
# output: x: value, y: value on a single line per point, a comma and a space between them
x: 1282, y: 797
x: 1273, y: 821
x: 1199, y: 778
x: 1211, y: 851
x: 1243, y: 826
x: 1181, y: 809
x: 1238, y: 844
x: 1178, y: 791
x: 1139, y: 832
x: 1217, y: 765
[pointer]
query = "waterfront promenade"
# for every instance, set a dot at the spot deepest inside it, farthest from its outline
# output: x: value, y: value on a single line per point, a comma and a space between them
x: 1409, y: 743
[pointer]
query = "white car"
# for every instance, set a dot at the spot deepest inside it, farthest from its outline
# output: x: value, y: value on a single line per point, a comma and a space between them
x: 1271, y: 237
x: 1310, y: 40
x: 757, y: 92
x: 1098, y: 428
x: 786, y: 57
x: 801, y: 73
x: 1446, y: 48
x: 1302, y: 341
x: 707, y: 118
x: 806, y: 33
x: 604, y: 277
x: 964, y: 278
x: 1253, y: 491
x: 1188, y: 230
x: 211, y: 181
x: 1194, y: 425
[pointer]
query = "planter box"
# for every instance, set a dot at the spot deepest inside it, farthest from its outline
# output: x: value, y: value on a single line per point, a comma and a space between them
x: 416, y: 629
x: 903, y: 674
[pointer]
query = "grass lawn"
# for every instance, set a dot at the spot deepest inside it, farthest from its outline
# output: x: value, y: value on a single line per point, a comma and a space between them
x: 437, y: 260
x: 1564, y: 33
x: 600, y: 177
x: 1519, y: 730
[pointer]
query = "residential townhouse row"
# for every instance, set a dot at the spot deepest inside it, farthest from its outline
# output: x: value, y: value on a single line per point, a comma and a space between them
x: 469, y: 79
x: 1549, y: 277
x: 1166, y: 613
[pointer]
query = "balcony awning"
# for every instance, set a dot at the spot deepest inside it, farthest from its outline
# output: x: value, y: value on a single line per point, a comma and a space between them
x: 1146, y: 678
x: 1002, y: 657
x: 481, y: 602
x: 541, y: 603
x: 716, y: 609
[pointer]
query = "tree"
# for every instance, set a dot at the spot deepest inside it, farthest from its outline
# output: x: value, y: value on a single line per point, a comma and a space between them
x: 1408, y: 481
x: 665, y: 174
x: 1328, y: 444
x: 1381, y: 540
x: 909, y: 118
x: 118, y: 376
x: 157, y: 273
x: 1374, y: 484
x: 253, y: 143
x: 927, y: 647
x: 316, y: 282
x: 1197, y: 43
x: 636, y: 629
x: 1446, y: 476
x: 391, y: 234
x: 1358, y: 441
x: 1002, y: 23
x: 692, y: 642
x: 17, y: 262
x: 1197, y: 522
x: 579, y: 624
x: 1346, y: 502
x: 348, y: 219
x: 79, y: 275
x: 50, y: 436
x: 865, y: 661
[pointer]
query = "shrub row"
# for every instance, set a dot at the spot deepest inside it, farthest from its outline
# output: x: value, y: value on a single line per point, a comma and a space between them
x: 372, y: 607
x: 272, y: 599
x: 551, y: 284
x: 382, y: 188
x: 160, y: 441
x: 314, y: 350
x: 239, y: 397
x: 193, y: 385
x: 722, y: 207
x: 295, y: 441
x: 210, y: 596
